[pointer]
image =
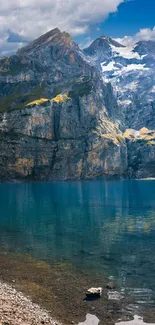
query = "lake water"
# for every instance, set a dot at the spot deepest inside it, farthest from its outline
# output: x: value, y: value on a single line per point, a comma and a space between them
x: 102, y: 228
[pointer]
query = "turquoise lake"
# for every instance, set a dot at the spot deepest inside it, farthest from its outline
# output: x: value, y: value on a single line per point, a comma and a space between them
x: 100, y: 227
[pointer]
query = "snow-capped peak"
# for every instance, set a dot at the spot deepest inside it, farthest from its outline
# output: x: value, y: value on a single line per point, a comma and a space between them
x: 130, y: 70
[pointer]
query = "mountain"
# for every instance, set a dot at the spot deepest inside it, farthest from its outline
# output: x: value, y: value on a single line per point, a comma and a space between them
x: 52, y: 61
x: 101, y: 49
x: 62, y: 114
x: 130, y: 70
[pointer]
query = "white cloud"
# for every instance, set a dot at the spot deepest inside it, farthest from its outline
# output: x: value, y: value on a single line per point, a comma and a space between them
x: 144, y: 34
x: 86, y: 42
x: 31, y: 18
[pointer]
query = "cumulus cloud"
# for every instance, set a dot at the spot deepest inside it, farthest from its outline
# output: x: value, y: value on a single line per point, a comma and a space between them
x: 144, y: 34
x: 31, y: 18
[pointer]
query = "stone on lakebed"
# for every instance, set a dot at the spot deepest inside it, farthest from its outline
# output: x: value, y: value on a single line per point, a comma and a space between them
x: 111, y: 286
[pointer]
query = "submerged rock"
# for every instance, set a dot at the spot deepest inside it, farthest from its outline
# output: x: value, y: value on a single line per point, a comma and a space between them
x: 111, y: 286
x: 115, y: 295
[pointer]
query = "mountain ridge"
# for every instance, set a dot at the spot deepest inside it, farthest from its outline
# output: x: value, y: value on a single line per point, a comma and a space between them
x: 62, y: 114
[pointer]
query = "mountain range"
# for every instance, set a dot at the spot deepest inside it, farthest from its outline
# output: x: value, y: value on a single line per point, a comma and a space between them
x: 67, y: 113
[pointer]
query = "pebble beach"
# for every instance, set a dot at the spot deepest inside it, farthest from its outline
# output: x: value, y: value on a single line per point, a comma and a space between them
x: 15, y: 309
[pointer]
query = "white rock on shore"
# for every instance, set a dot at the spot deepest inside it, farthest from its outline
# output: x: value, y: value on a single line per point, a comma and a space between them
x: 94, y: 292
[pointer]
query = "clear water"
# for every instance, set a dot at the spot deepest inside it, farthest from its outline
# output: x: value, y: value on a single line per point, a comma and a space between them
x: 101, y: 227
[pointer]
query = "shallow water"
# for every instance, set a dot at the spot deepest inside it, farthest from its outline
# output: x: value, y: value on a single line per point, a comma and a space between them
x: 90, y: 320
x: 136, y: 321
x: 102, y: 228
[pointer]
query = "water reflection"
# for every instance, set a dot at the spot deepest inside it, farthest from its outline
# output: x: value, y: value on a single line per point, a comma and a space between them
x: 103, y: 227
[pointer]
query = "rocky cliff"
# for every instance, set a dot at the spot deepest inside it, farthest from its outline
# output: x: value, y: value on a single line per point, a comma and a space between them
x: 60, y: 121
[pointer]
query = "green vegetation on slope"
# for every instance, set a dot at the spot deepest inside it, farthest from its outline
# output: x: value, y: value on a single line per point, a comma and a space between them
x: 18, y: 98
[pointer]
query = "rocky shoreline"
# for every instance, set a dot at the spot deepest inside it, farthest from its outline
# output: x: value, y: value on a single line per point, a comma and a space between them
x: 15, y: 308
x: 57, y: 289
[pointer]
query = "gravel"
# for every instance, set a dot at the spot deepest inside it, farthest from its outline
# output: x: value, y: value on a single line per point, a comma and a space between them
x: 16, y: 309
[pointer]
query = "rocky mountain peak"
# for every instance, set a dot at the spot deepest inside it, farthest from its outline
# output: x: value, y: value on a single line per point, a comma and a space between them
x: 65, y: 38
x: 111, y: 41
x: 40, y: 41
x: 145, y: 47
x: 102, y: 48
x: 55, y: 50
x: 52, y: 38
x: 102, y: 43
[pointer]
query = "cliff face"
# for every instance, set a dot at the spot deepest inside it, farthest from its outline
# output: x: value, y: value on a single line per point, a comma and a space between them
x: 63, y: 138
x: 141, y: 153
x: 59, y: 121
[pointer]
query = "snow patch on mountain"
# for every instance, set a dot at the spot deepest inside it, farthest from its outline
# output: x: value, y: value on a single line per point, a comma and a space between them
x: 153, y: 89
x: 110, y: 67
x: 131, y: 72
x: 126, y: 102
x: 131, y: 86
x: 131, y: 67
x: 125, y: 52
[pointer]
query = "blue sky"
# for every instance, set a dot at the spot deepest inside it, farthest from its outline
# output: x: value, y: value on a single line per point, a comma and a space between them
x: 85, y: 20
x: 130, y: 18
